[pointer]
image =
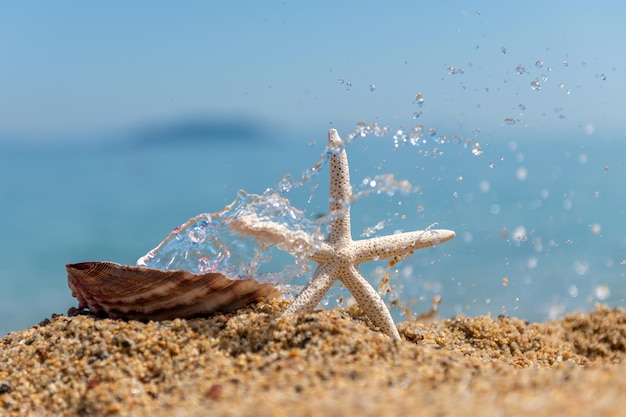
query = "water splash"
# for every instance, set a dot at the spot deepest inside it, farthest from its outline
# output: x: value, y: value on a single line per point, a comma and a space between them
x: 383, y: 184
x: 207, y: 243
x: 371, y: 231
x: 210, y: 243
x: 430, y: 144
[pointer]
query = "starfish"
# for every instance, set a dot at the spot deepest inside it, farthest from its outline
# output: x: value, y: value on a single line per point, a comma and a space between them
x: 338, y: 257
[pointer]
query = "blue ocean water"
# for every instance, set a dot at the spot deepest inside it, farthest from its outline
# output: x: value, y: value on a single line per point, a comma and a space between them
x: 539, y: 221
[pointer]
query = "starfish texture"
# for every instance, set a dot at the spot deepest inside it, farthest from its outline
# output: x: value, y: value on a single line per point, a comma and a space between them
x: 338, y: 257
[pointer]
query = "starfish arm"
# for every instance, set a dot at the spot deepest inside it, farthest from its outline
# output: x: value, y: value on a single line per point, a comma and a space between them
x: 294, y: 242
x: 384, y: 247
x: 340, y: 190
x: 318, y: 285
x: 371, y: 303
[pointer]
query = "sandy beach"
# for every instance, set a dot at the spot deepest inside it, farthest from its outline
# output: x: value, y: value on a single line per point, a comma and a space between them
x: 330, y: 362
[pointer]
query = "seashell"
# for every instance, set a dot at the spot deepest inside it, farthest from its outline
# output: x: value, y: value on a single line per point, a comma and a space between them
x: 139, y: 293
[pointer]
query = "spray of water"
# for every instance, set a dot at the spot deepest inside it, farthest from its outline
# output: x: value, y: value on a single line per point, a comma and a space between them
x: 207, y: 243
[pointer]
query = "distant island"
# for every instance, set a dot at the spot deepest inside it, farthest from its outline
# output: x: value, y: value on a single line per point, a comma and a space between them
x: 201, y: 130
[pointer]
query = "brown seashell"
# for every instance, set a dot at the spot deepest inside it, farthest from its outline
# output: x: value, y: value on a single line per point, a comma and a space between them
x: 139, y: 293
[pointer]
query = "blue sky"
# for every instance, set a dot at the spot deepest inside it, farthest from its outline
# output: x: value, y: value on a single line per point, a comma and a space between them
x: 72, y: 66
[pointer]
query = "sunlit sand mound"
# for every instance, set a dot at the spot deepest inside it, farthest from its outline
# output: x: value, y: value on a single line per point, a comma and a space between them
x: 329, y: 362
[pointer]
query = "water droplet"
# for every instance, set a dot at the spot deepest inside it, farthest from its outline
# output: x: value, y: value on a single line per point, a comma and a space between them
x: 521, y: 106
x: 503, y: 50
x: 197, y: 235
x: 602, y: 292
x: 567, y: 204
x: 419, y: 99
x: 341, y: 81
x: 565, y: 63
x: 454, y: 71
x: 603, y: 77
x: 372, y: 87
x: 572, y: 290
x: 494, y: 209
x: 595, y: 228
x: 535, y: 86
x: 581, y: 267
x: 520, y: 69
x: 539, y: 64
x: 476, y: 149
x: 519, y: 233
x: 340, y: 301
x: 286, y: 184
x: 491, y: 164
x: 509, y: 121
x: 521, y: 174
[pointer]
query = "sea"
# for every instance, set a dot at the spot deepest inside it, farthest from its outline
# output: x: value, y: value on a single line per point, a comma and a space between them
x: 539, y: 221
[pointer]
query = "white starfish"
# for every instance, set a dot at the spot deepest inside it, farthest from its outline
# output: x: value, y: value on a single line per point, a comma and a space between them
x: 338, y: 257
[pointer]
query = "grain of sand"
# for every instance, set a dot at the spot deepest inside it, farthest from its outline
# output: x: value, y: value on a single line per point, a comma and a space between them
x: 330, y: 362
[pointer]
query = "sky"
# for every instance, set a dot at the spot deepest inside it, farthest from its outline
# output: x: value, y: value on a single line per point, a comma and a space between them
x: 552, y: 67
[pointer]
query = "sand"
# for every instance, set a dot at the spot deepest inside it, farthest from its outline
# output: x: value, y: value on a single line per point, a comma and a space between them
x: 330, y: 362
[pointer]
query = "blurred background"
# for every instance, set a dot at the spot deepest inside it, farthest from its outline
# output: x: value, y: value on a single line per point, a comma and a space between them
x: 119, y: 121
